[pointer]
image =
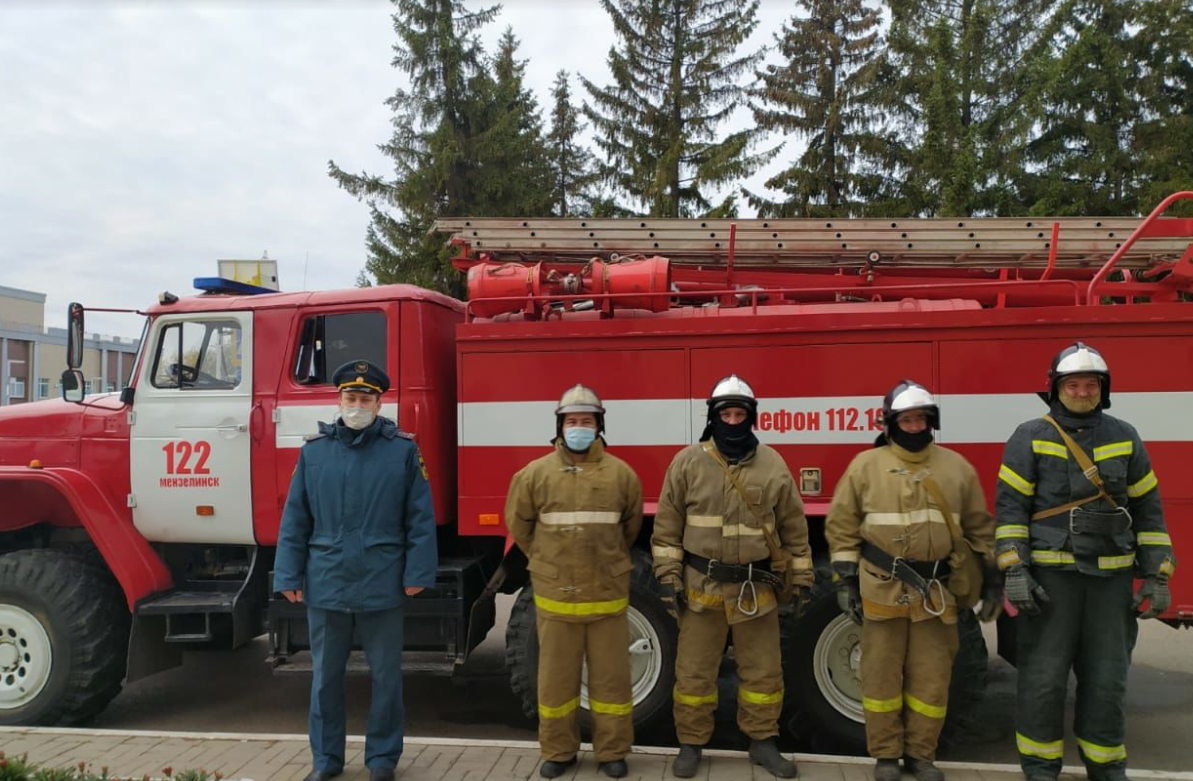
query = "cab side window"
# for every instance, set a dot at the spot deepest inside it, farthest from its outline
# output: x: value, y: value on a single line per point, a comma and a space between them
x: 329, y: 341
x: 199, y: 355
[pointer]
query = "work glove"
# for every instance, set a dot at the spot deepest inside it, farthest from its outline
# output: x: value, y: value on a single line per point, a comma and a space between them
x: 1023, y: 592
x: 991, y: 595
x: 674, y: 595
x: 1155, y: 591
x: 802, y: 600
x: 849, y: 591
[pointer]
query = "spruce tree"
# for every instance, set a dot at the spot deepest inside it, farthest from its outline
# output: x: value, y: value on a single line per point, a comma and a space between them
x: 676, y: 74
x: 1165, y: 49
x: 432, y: 146
x: 1085, y: 153
x: 573, y: 168
x: 824, y: 92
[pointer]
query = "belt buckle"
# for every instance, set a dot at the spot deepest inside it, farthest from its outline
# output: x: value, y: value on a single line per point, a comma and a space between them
x: 1072, y: 516
x: 708, y: 570
x: 895, y: 562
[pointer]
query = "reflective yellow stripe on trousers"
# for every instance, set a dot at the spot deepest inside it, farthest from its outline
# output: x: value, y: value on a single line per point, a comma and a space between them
x: 760, y: 698
x: 581, y: 608
x: 923, y: 708
x: 558, y: 711
x: 1054, y: 749
x: 883, y: 706
x: 611, y: 708
x: 693, y: 700
x: 1102, y: 755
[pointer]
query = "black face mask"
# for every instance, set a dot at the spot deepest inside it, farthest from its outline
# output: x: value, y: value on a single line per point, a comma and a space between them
x: 913, y: 443
x: 734, y: 441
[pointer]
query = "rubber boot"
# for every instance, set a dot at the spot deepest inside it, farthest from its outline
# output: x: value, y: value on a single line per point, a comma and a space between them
x: 553, y: 769
x: 887, y: 770
x: 687, y: 761
x: 615, y: 769
x: 1115, y: 772
x: 766, y: 754
x: 923, y: 769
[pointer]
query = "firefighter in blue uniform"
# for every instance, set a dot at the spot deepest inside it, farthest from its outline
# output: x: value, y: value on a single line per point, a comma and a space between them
x: 1079, y: 516
x: 357, y: 538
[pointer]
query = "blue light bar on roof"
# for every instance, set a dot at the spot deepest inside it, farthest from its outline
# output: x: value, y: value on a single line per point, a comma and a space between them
x: 220, y: 285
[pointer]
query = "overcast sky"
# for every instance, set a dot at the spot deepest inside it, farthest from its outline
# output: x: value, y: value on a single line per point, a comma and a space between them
x: 141, y: 141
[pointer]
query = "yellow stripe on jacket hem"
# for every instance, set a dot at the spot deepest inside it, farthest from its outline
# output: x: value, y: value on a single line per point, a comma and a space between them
x: 611, y: 708
x: 1063, y: 557
x: 608, y: 607
x: 693, y: 700
x: 760, y: 698
x: 1102, y: 755
x: 923, y: 708
x: 883, y: 706
x: 1032, y: 748
x: 1012, y: 478
x: 558, y: 711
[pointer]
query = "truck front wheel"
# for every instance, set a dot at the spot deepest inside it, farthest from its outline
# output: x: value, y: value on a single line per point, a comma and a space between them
x: 653, y: 638
x: 63, y: 638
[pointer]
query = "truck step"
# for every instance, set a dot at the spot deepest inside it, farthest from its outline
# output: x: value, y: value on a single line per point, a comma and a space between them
x: 422, y: 662
x: 188, y: 602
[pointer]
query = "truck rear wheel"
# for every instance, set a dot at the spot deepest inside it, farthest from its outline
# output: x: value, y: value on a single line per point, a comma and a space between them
x: 63, y: 638
x: 653, y: 639
x: 822, y: 670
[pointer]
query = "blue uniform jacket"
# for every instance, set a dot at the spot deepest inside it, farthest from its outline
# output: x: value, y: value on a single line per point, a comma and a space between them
x: 358, y: 525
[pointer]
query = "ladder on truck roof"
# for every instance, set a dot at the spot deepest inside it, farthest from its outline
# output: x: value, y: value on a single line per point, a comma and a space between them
x: 941, y: 257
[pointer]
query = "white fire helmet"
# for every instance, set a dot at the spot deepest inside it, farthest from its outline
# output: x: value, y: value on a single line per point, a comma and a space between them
x: 732, y: 391
x: 908, y: 395
x: 580, y: 398
x: 1079, y: 358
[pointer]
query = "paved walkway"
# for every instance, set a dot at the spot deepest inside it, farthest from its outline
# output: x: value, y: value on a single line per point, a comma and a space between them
x: 135, y: 754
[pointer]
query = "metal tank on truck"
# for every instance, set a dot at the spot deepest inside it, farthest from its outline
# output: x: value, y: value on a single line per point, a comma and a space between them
x: 142, y: 523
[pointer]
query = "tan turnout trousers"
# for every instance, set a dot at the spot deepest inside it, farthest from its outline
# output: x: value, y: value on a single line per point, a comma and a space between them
x: 759, y: 671
x: 605, y: 644
x: 904, y: 692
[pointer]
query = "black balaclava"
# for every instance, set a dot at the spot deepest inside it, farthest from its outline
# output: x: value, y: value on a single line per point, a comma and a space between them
x: 734, y: 441
x: 912, y: 443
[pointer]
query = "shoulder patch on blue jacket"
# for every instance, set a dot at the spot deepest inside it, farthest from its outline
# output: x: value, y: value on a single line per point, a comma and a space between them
x: 313, y: 437
x: 405, y: 435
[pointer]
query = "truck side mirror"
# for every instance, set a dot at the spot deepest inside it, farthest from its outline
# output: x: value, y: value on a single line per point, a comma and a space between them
x: 74, y: 337
x: 73, y: 386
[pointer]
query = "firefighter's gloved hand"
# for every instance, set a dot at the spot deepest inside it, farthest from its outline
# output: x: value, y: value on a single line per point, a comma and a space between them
x: 1155, y: 591
x: 1023, y: 592
x: 992, y: 583
x: 803, y: 598
x: 849, y: 591
x: 674, y: 596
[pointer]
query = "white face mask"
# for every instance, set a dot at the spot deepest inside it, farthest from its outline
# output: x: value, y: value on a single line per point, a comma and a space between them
x: 357, y: 418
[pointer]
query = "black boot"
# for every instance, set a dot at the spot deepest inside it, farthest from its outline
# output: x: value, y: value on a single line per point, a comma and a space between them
x: 687, y: 761
x: 923, y: 769
x: 321, y: 775
x: 615, y: 769
x: 381, y: 774
x: 553, y: 769
x: 766, y: 754
x: 887, y: 770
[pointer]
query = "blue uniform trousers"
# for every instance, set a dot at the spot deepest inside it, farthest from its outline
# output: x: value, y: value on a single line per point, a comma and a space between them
x: 380, y: 634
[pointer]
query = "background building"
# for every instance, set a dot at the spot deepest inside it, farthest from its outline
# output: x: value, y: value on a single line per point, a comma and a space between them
x: 32, y: 357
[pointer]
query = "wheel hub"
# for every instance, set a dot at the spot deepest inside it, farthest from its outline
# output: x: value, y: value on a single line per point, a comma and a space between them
x: 25, y: 657
x: 646, y: 659
x: 837, y: 664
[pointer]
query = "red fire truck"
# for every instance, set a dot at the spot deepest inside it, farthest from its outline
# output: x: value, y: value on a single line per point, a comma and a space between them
x: 138, y: 524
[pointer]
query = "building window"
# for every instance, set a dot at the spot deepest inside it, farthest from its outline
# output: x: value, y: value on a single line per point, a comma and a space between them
x: 43, y: 388
x: 199, y: 355
x: 97, y: 385
x: 330, y: 341
x: 16, y: 388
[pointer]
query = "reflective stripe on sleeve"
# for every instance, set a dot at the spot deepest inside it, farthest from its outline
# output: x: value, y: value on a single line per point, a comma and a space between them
x: 611, y: 708
x: 579, y: 516
x: 558, y: 711
x: 883, y: 706
x: 845, y: 555
x: 923, y: 708
x: 693, y: 700
x: 1046, y: 448
x: 1054, y: 749
x: 1167, y: 568
x: 1009, y: 558
x: 759, y: 698
x: 1147, y: 483
x: 1153, y: 538
x: 1012, y: 531
x: 666, y: 552
x: 1114, y: 449
x: 1101, y: 755
x: 1011, y: 478
x: 580, y: 608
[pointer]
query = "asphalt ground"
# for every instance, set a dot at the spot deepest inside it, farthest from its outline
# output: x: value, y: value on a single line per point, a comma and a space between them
x: 236, y: 692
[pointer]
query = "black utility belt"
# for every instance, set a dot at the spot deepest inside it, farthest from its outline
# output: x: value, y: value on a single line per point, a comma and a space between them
x: 902, y: 568
x: 755, y: 572
x: 1082, y: 521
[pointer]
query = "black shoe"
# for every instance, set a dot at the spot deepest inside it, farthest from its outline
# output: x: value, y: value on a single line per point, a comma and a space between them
x: 686, y: 761
x: 923, y: 769
x: 381, y: 774
x: 322, y: 775
x: 615, y: 769
x: 887, y: 770
x: 553, y: 769
x: 766, y: 754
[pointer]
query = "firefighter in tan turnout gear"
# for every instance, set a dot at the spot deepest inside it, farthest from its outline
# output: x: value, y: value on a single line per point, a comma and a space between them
x: 575, y: 513
x: 730, y: 540
x: 893, y: 526
x: 1079, y: 517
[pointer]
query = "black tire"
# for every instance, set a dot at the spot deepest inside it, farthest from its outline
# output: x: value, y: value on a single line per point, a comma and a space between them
x: 830, y: 721
x: 652, y: 707
x: 82, y: 612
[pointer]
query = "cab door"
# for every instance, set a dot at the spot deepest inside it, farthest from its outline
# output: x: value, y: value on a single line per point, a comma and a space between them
x: 190, y: 444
